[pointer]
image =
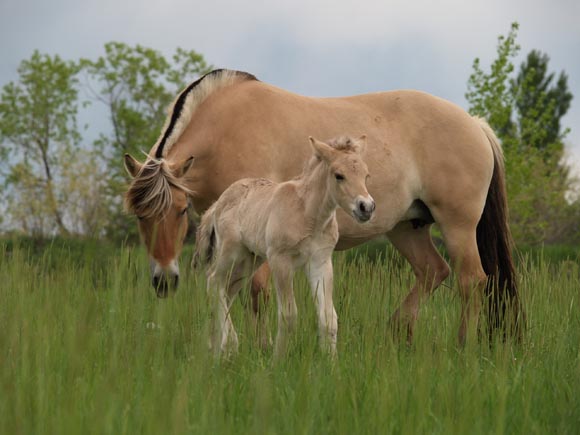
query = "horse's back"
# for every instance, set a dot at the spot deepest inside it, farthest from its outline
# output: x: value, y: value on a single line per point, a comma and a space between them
x: 419, y: 146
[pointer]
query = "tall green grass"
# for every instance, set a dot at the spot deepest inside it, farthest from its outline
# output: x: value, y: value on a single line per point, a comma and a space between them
x: 86, y: 347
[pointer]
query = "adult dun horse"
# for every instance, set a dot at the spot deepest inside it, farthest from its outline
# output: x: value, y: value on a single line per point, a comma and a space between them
x: 429, y: 161
x: 291, y: 225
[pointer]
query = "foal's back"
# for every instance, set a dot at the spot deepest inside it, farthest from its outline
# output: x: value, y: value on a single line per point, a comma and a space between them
x: 245, y: 208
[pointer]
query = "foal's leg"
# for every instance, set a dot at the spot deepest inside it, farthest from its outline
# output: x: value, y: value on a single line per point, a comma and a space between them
x: 228, y: 277
x: 416, y: 245
x: 283, y: 272
x: 320, y: 276
x: 216, y: 288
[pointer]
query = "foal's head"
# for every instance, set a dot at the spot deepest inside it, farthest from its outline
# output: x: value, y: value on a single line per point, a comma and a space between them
x: 159, y: 199
x: 347, y: 174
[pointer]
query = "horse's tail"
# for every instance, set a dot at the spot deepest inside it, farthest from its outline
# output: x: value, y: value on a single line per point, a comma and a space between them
x: 494, y: 241
x: 205, y: 239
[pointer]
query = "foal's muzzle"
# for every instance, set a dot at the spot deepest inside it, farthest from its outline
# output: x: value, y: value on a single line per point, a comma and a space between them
x: 364, y: 209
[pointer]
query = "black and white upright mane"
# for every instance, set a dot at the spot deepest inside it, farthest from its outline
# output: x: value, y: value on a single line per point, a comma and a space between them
x: 149, y: 194
x: 182, y: 109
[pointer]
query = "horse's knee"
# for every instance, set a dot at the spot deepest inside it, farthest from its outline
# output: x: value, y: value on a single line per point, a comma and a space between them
x: 433, y: 274
x: 471, y: 284
x: 442, y: 271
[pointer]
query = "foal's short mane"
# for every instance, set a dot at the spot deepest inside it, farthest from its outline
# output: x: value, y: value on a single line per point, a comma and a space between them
x: 342, y: 143
x: 184, y: 106
x: 149, y: 194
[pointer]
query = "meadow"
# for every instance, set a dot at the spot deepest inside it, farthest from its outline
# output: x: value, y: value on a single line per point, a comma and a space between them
x: 87, y: 348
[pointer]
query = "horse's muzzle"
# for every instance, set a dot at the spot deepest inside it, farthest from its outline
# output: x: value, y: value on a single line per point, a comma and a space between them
x: 165, y: 282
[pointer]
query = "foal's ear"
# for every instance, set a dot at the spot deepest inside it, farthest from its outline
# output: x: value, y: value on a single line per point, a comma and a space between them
x: 132, y: 165
x: 182, y: 167
x: 361, y: 144
x: 321, y: 150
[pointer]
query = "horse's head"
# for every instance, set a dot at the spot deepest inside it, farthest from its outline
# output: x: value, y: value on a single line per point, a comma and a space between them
x: 348, y: 174
x: 159, y: 199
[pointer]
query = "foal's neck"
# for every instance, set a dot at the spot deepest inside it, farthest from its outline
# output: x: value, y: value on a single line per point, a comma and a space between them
x: 315, y: 193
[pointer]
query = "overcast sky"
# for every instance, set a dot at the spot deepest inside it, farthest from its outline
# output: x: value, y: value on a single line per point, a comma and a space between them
x: 319, y: 48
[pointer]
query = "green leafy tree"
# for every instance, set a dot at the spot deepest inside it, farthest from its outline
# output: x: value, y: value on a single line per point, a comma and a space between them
x: 525, y: 114
x: 37, y: 123
x: 489, y: 94
x: 540, y: 103
x: 136, y: 84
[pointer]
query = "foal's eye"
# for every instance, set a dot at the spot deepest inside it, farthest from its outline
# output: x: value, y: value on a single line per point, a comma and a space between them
x: 339, y: 177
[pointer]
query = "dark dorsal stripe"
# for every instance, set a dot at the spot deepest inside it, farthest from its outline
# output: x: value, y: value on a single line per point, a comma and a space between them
x: 176, y: 114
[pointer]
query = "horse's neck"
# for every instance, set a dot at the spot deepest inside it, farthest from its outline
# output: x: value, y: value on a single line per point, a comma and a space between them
x: 319, y: 204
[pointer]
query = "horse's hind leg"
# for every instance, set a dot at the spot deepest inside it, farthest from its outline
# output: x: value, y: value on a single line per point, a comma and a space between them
x: 461, y: 242
x: 416, y: 245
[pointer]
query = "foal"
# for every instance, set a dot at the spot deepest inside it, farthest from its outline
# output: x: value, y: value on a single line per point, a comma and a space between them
x: 291, y: 224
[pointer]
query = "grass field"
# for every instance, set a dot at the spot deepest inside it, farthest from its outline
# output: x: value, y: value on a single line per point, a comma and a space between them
x: 86, y: 348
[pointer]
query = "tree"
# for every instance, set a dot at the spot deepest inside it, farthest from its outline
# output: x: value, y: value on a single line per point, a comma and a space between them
x: 540, y: 103
x: 37, y: 123
x: 488, y: 94
x: 525, y: 112
x: 136, y: 84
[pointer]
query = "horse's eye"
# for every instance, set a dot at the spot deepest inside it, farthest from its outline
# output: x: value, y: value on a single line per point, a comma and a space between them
x: 339, y: 177
x: 184, y: 211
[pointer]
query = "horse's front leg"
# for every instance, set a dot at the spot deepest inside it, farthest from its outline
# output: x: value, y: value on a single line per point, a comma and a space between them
x: 283, y: 272
x: 260, y: 296
x: 320, y: 276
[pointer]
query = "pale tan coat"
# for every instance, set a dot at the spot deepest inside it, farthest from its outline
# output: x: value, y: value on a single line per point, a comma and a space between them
x: 291, y: 225
x: 429, y: 161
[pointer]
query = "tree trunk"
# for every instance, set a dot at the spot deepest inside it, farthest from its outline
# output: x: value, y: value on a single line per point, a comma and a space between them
x: 50, y: 194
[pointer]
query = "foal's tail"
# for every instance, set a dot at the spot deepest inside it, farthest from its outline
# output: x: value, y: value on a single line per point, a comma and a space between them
x: 205, y: 239
x: 494, y: 241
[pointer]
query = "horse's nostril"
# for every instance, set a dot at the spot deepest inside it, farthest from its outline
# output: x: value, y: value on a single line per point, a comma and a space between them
x: 163, y: 283
x: 362, y: 207
x: 161, y: 286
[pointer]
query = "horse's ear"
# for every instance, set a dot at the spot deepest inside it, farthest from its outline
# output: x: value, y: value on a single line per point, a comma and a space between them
x: 132, y: 165
x: 321, y: 150
x: 361, y: 144
x: 183, y: 167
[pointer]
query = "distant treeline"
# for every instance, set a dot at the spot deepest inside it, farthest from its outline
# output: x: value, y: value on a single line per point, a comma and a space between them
x: 56, y: 182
